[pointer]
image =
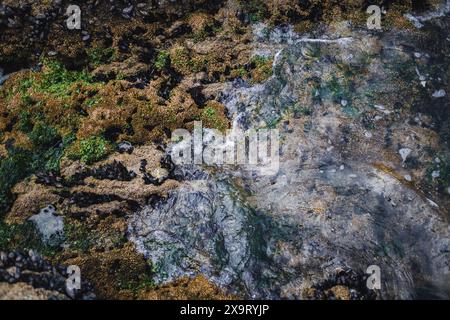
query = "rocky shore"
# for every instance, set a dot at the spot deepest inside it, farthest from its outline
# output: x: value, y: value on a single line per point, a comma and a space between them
x: 87, y: 179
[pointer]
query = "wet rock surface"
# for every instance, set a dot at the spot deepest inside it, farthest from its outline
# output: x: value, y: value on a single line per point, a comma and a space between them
x: 336, y: 202
x: 364, y: 172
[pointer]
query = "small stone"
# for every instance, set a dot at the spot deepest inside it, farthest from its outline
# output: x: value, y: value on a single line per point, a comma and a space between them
x: 344, y: 103
x: 408, y: 178
x: 49, y: 225
x: 127, y: 10
x: 439, y: 94
x: 125, y: 146
x: 435, y: 174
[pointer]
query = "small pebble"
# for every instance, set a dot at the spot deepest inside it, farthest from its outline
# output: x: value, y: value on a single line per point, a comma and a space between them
x: 439, y: 94
x: 435, y: 174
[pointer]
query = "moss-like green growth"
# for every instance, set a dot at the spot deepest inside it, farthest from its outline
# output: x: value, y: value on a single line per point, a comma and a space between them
x: 261, y: 68
x: 208, y: 30
x: 25, y: 123
x: 209, y: 112
x: 45, y: 156
x: 78, y: 237
x: 301, y: 110
x: 443, y: 181
x: 57, y: 80
x: 403, y: 69
x: 90, y: 102
x: 213, y: 116
x: 240, y: 72
x: 313, y: 51
x: 181, y: 60
x: 43, y: 136
x: 445, y: 173
x: 337, y: 89
x: 256, y: 9
x: 142, y: 282
x: 162, y: 60
x: 90, y: 150
x: 273, y: 122
x: 23, y: 237
x: 99, y: 56
x: 13, y: 168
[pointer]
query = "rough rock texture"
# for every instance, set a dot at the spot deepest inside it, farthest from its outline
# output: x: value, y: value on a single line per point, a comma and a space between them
x: 30, y: 277
x: 87, y: 116
x: 340, y: 198
x: 21, y: 291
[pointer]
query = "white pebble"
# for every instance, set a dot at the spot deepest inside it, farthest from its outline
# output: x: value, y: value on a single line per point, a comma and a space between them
x: 435, y: 174
x: 439, y: 94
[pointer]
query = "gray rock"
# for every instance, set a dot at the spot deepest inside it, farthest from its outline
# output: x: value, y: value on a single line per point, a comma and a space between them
x: 439, y: 93
x: 270, y: 236
x: 125, y: 146
x: 49, y: 225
